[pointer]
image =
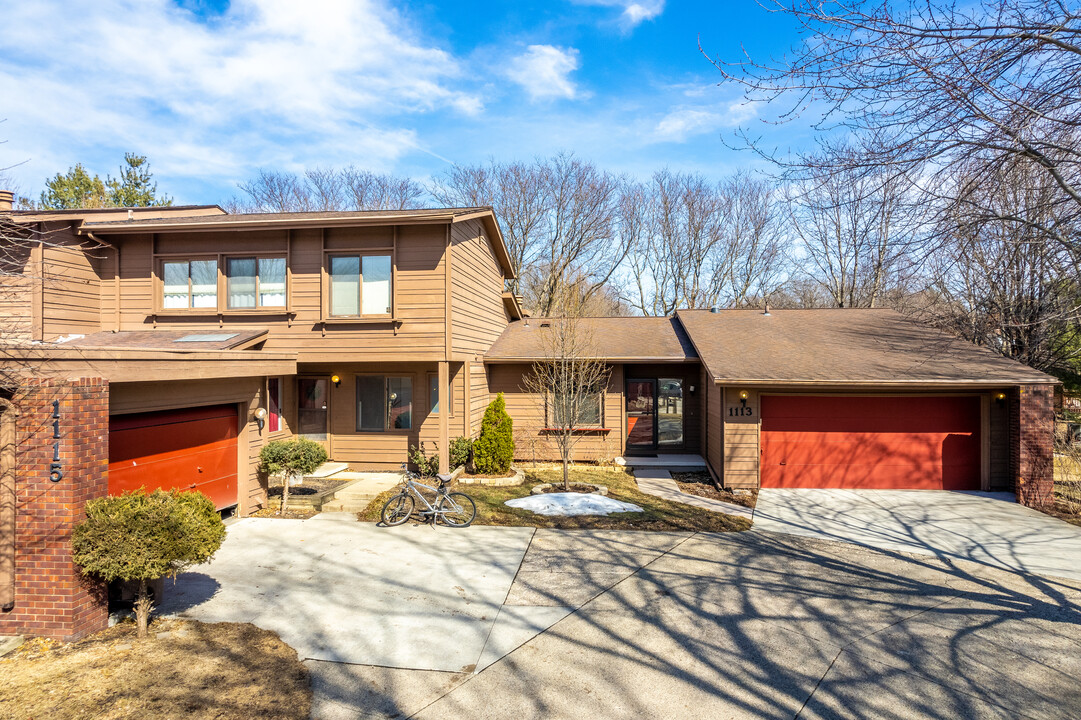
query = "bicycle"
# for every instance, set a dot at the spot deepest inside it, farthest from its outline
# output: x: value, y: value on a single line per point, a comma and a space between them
x: 455, y: 509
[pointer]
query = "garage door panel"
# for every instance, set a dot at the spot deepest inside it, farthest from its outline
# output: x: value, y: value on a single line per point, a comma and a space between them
x: 869, y: 442
x: 193, y: 449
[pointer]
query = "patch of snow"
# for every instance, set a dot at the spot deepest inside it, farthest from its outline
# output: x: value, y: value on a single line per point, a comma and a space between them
x: 68, y: 338
x: 572, y: 504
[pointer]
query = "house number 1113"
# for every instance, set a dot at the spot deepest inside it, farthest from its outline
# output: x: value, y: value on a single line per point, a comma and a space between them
x: 56, y: 474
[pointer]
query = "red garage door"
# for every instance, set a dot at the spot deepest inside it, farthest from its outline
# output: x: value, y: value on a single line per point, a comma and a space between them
x: 192, y: 449
x: 918, y: 443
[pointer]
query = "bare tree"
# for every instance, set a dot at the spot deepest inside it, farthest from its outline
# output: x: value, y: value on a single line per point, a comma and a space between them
x: 570, y: 379
x: 856, y: 230
x: 327, y: 189
x: 935, y: 84
x: 698, y: 244
x: 559, y: 218
x: 1005, y: 284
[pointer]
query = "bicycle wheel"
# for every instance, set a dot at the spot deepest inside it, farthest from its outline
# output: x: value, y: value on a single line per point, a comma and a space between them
x: 397, y: 510
x: 456, y: 509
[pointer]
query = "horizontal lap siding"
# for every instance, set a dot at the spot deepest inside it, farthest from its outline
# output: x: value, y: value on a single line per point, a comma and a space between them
x: 527, y: 411
x: 418, y: 291
x: 71, y: 290
x: 477, y: 314
x: 376, y: 450
x: 741, y: 439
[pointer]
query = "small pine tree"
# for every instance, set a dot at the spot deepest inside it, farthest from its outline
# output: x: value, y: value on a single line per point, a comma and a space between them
x: 140, y: 536
x: 291, y: 459
x: 493, y: 451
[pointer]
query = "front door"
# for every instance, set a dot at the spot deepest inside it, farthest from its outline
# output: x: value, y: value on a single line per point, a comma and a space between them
x: 312, y: 401
x: 641, y: 416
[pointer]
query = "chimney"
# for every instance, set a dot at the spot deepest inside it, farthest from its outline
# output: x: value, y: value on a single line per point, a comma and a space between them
x: 766, y: 311
x: 714, y: 309
x: 7, y: 200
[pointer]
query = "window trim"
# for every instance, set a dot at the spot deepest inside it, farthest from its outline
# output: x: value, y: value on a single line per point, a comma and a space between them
x: 222, y: 302
x: 413, y: 427
x: 223, y: 268
x: 387, y: 252
x: 159, y: 294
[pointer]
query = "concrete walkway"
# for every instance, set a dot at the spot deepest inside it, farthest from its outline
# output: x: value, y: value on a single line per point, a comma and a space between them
x: 989, y: 528
x: 659, y: 483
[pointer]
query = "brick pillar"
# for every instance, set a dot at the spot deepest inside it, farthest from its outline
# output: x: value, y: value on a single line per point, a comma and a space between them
x: 1032, y: 427
x: 52, y: 598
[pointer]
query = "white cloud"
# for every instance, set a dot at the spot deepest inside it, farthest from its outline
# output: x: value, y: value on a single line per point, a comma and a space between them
x: 544, y: 71
x: 683, y: 123
x: 634, y: 12
x: 329, y: 80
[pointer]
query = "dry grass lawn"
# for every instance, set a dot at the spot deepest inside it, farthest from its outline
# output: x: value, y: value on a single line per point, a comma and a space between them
x: 1068, y: 488
x: 185, y: 670
x: 657, y: 514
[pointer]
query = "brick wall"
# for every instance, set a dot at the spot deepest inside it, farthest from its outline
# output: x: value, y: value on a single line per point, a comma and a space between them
x: 1032, y: 424
x: 52, y: 598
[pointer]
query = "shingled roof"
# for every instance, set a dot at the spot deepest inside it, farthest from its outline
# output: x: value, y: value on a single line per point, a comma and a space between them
x: 619, y: 339
x: 841, y: 347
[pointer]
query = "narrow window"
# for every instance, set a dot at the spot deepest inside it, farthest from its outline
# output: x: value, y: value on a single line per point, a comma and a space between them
x: 273, y: 401
x: 240, y: 274
x: 272, y: 282
x: 399, y: 403
x: 433, y: 394
x: 370, y: 403
x: 175, y: 278
x: 376, y: 289
x: 344, y: 285
x: 204, y: 283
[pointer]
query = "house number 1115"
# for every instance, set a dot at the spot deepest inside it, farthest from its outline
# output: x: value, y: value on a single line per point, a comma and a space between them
x: 56, y: 474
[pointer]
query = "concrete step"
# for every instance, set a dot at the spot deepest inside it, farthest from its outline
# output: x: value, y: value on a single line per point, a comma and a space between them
x: 327, y: 469
x: 346, y: 507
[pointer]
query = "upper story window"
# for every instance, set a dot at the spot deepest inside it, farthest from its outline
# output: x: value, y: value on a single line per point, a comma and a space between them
x: 360, y: 285
x: 255, y: 282
x: 190, y: 284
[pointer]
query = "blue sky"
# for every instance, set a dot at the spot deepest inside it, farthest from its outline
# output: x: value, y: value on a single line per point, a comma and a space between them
x: 211, y: 91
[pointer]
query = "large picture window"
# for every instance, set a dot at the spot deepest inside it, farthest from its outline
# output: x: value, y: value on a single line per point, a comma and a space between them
x: 360, y: 285
x: 255, y: 282
x: 384, y: 403
x: 189, y: 284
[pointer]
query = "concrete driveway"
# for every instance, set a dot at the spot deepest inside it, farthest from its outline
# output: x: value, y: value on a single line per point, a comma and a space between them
x: 643, y: 625
x: 988, y: 528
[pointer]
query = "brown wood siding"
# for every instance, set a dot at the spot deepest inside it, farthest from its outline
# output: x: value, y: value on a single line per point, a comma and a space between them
x: 528, y: 413
x: 478, y: 316
x: 375, y: 450
x: 419, y: 297
x: 714, y: 427
x: 741, y: 439
x: 480, y: 396
x: 247, y: 393
x: 70, y: 285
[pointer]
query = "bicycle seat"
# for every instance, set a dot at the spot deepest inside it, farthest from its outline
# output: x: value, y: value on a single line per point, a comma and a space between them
x: 444, y: 478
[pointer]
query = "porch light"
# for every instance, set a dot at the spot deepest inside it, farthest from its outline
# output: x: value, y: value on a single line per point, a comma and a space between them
x: 336, y: 380
x: 743, y: 397
x: 260, y: 416
x: 1000, y: 397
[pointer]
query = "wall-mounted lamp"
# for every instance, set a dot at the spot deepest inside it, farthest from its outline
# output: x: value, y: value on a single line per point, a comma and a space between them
x: 336, y: 380
x: 260, y: 416
x: 743, y: 397
x: 1000, y: 398
x: 690, y: 388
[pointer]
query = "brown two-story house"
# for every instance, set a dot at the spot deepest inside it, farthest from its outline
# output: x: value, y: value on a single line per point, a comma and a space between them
x: 372, y: 332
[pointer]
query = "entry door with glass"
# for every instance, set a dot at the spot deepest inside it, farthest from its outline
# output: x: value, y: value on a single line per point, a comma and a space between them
x: 312, y: 408
x: 641, y: 415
